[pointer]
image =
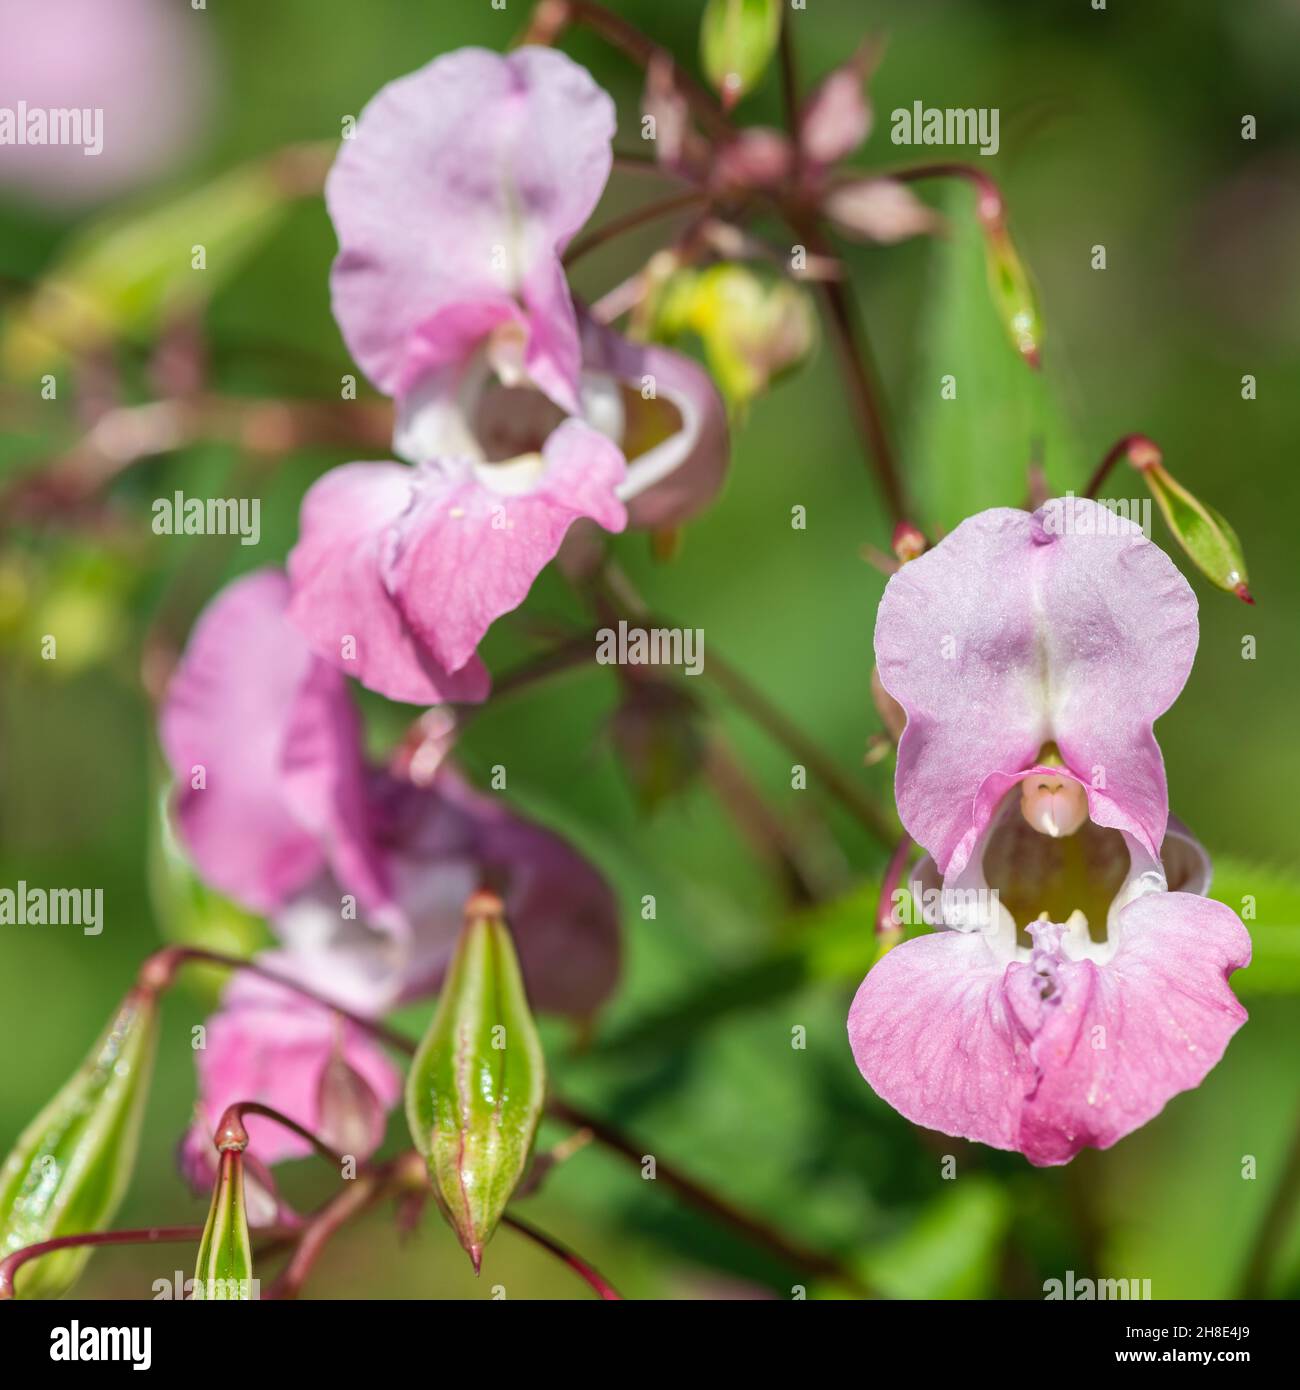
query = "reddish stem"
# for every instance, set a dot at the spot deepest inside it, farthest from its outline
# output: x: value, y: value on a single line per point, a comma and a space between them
x: 231, y: 1134
x: 148, y: 1235
x: 157, y: 973
x: 1140, y: 451
x: 989, y: 205
x: 629, y: 221
x: 589, y: 1273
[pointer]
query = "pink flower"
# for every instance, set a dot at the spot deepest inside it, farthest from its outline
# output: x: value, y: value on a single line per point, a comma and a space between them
x: 265, y: 746
x: 364, y: 875
x: 1080, y: 980
x: 143, y: 65
x: 453, y: 204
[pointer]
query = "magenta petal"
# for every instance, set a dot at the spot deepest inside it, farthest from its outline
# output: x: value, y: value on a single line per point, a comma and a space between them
x: 269, y: 1044
x: 1008, y: 635
x: 447, y: 839
x: 1053, y: 1054
x: 278, y: 742
x: 352, y: 524
x: 679, y: 474
x: 933, y: 1033
x: 465, y: 180
x: 477, y: 537
x: 1121, y: 1039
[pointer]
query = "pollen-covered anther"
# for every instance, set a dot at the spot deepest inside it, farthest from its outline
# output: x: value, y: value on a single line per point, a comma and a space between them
x: 1053, y: 805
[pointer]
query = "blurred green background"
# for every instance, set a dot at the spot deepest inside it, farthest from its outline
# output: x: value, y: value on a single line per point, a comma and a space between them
x: 1120, y: 128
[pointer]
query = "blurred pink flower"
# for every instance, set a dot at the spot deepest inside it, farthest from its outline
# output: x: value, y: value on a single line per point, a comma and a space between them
x: 143, y: 65
x: 364, y: 875
x: 1080, y: 979
x: 453, y: 204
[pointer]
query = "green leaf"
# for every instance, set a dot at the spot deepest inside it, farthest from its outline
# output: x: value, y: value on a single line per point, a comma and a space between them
x: 1268, y: 900
x: 124, y: 275
x: 224, y: 1270
x: 973, y: 451
x: 737, y: 41
x: 475, y: 1089
x: 70, y: 1167
x: 950, y: 1251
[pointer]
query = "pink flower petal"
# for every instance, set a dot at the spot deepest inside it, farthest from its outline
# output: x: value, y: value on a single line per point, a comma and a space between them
x: 351, y: 525
x: 934, y: 1035
x: 1050, y: 1055
x: 269, y: 1044
x: 476, y: 538
x: 449, y: 838
x: 464, y: 182
x: 671, y: 476
x: 1119, y: 1040
x: 279, y: 743
x: 1008, y: 635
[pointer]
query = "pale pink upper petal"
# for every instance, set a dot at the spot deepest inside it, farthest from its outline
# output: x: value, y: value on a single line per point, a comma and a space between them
x: 351, y: 527
x: 270, y: 736
x: 465, y: 180
x: 478, y: 536
x: 1011, y: 633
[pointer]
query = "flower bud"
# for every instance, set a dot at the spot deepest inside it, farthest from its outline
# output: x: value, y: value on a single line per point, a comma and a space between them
x: 1211, y: 544
x: 475, y: 1089
x: 879, y: 210
x: 753, y: 329
x: 352, y: 1118
x: 1013, y: 293
x: 70, y: 1167
x: 836, y: 118
x: 737, y: 41
x: 224, y: 1270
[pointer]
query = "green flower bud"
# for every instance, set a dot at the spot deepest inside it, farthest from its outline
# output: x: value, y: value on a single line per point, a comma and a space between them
x: 475, y: 1089
x: 754, y: 329
x: 70, y: 1167
x: 224, y: 1270
x: 1211, y: 544
x: 737, y: 41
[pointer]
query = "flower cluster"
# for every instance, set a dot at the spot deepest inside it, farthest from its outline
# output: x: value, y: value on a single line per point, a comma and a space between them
x: 519, y: 415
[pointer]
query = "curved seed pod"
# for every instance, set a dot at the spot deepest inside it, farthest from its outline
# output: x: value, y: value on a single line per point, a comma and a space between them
x: 474, y: 1093
x: 70, y: 1167
x: 224, y: 1270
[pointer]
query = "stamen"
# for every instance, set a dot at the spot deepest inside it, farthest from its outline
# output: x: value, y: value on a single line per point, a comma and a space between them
x: 505, y: 353
x: 1054, y: 806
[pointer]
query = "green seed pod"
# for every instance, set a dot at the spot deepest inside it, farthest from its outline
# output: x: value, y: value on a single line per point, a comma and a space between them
x: 737, y: 41
x: 475, y: 1089
x: 224, y: 1270
x: 70, y: 1167
x: 1211, y: 544
x: 1014, y: 295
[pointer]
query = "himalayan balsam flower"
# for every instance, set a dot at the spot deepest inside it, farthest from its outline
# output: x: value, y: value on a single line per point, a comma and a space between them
x: 363, y: 875
x: 453, y: 205
x: 1032, y: 655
